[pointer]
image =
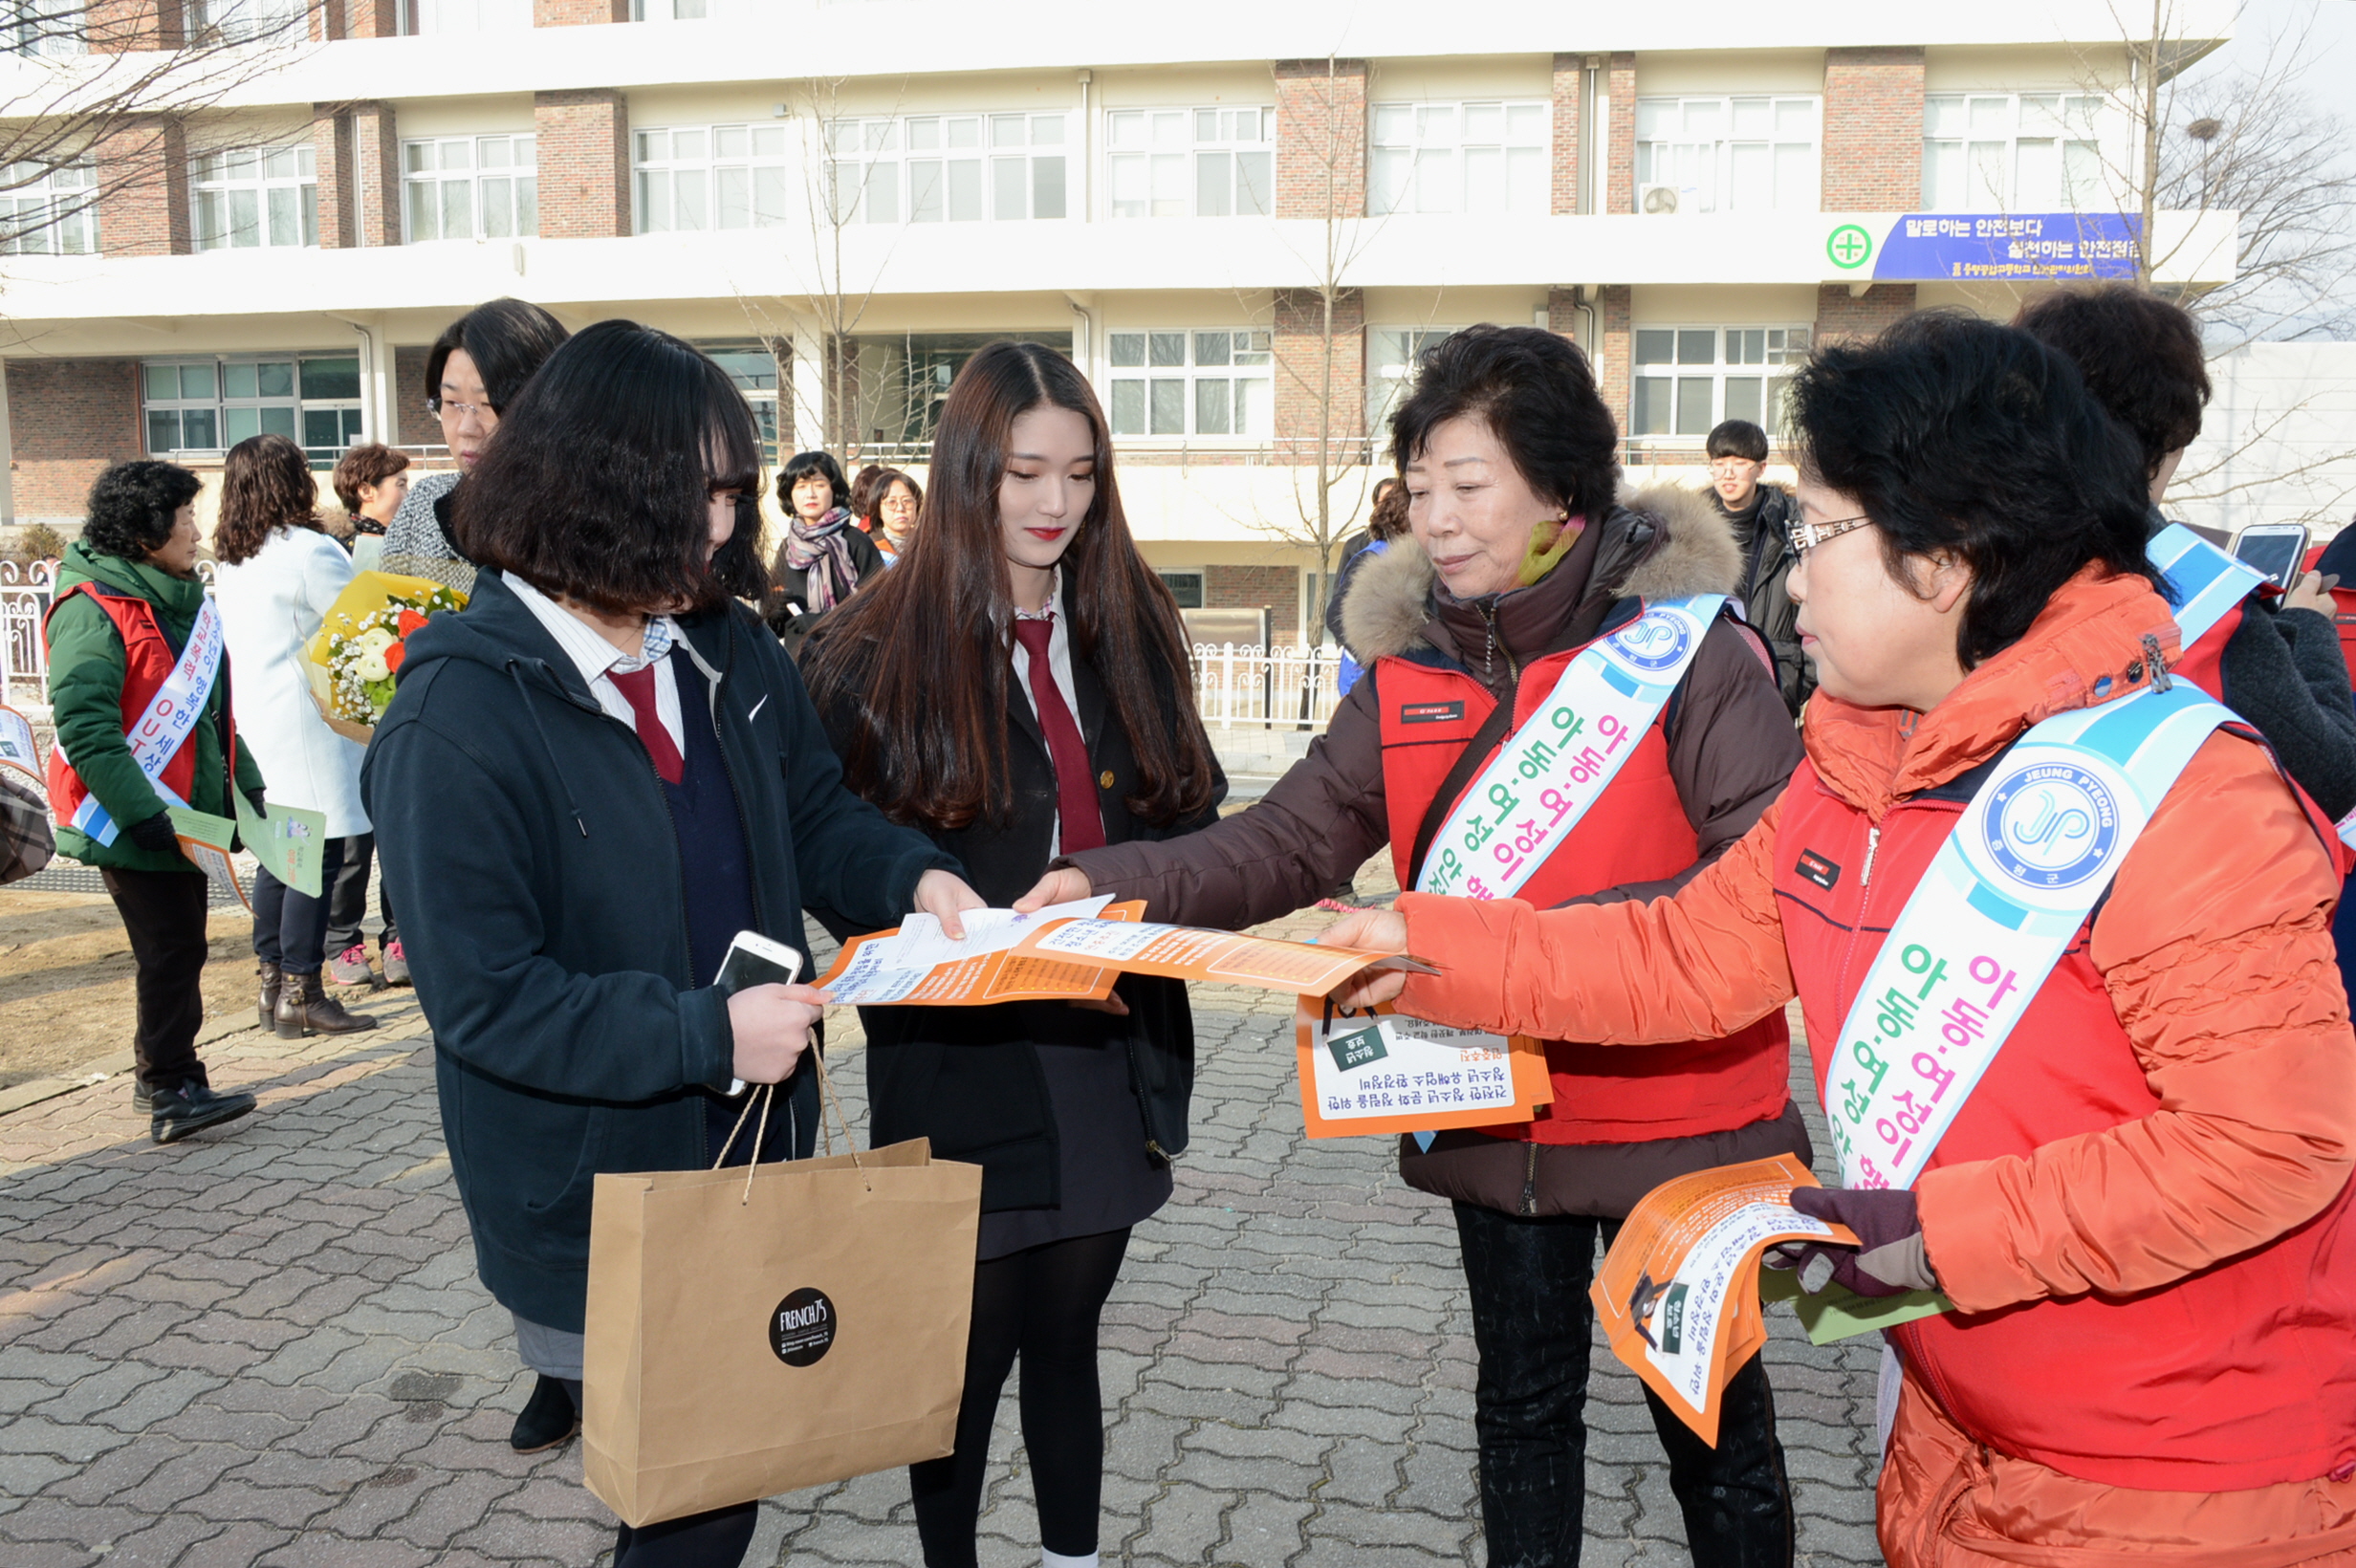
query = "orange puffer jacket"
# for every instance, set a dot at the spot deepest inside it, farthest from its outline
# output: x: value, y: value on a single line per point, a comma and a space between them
x: 2214, y: 953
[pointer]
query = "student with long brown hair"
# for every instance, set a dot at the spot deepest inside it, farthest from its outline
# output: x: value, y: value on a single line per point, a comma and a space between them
x: 279, y: 571
x: 1016, y: 688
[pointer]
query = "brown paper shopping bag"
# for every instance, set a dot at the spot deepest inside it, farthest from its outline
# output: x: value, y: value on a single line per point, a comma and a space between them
x: 755, y: 1332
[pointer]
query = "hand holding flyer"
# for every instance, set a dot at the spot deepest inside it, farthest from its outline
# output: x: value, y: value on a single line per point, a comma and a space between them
x: 1679, y: 1294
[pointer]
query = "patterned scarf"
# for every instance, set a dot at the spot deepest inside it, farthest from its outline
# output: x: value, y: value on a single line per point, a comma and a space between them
x: 819, y: 550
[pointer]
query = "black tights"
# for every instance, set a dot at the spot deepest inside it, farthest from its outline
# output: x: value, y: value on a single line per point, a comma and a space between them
x: 1041, y: 1304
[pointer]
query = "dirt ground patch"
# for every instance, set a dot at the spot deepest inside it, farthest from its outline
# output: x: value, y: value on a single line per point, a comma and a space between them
x: 66, y: 979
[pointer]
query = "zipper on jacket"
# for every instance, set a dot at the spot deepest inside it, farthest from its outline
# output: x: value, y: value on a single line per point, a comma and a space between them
x: 1529, y: 1177
x: 1864, y: 901
x: 1496, y: 645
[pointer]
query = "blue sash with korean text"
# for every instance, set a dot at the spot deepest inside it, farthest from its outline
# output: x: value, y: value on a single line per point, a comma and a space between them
x: 1554, y: 767
x: 1998, y: 907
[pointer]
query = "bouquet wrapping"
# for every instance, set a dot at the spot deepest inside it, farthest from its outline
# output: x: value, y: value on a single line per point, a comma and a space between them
x: 355, y: 659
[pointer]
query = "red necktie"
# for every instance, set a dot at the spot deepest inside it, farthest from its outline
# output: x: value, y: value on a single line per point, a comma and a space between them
x: 637, y: 686
x: 1080, y: 818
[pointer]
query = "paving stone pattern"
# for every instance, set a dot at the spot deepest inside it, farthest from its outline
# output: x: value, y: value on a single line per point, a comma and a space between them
x: 267, y: 1345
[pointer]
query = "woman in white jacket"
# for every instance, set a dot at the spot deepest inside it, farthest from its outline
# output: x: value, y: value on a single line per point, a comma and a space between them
x: 279, y: 572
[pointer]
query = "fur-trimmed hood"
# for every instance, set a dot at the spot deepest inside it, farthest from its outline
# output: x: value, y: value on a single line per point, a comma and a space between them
x: 1662, y: 541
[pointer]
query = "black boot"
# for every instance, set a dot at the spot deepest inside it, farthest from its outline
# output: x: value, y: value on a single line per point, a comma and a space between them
x: 272, y: 981
x: 548, y: 1418
x: 188, y: 1107
x: 304, y: 1008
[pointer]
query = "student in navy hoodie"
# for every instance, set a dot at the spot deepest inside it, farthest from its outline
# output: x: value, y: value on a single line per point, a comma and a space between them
x: 587, y: 784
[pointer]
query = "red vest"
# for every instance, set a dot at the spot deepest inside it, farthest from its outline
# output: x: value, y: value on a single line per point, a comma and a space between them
x: 2231, y: 1379
x: 1637, y: 832
x: 148, y: 660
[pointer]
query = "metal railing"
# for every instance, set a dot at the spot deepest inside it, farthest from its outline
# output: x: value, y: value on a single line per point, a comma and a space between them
x: 1243, y: 684
x: 25, y: 593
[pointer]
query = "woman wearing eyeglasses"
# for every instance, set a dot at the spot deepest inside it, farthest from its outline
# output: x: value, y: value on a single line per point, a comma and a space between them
x: 476, y: 367
x: 2060, y: 931
x: 1520, y: 563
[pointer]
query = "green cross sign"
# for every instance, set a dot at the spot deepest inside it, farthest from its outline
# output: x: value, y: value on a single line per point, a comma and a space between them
x: 1850, y: 247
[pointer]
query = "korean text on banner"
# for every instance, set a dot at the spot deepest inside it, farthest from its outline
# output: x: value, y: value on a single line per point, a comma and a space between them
x: 1363, y: 1074
x: 1678, y: 1294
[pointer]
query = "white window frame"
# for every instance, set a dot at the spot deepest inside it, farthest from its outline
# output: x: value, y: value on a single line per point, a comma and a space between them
x: 52, y: 29
x: 1759, y: 355
x: 51, y: 212
x: 1700, y: 153
x: 441, y: 18
x: 692, y: 10
x: 247, y: 399
x: 243, y: 21
x: 501, y: 190
x: 689, y: 179
x: 994, y: 166
x: 1190, y: 162
x: 1482, y: 156
x: 1392, y: 355
x: 2016, y: 152
x: 753, y: 365
x: 250, y: 197
x: 1187, y: 365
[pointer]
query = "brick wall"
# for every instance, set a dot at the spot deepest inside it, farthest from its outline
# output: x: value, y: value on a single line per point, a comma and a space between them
x: 1274, y: 588
x: 376, y: 174
x: 121, y: 26
x: 331, y: 142
x: 1873, y: 130
x: 1321, y: 139
x: 1620, y: 176
x: 1300, y: 387
x: 144, y: 189
x: 584, y: 158
x: 1568, y: 71
x: 68, y: 418
x: 1838, y: 314
x: 1613, y: 305
x: 579, y: 13
x: 364, y: 19
x: 412, y: 424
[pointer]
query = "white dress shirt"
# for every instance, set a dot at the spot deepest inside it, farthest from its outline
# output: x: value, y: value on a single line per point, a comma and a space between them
x: 596, y: 659
x: 1059, y: 663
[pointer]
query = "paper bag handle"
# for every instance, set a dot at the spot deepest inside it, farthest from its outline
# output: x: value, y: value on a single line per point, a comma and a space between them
x: 768, y: 1093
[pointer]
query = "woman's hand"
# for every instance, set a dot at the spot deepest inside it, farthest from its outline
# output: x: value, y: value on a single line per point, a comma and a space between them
x: 1061, y: 885
x: 771, y: 1029
x: 944, y: 897
x: 2311, y: 591
x: 1369, y: 930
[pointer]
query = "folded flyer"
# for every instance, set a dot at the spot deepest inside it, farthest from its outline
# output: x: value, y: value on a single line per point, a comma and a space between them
x: 1384, y: 1071
x: 1075, y: 951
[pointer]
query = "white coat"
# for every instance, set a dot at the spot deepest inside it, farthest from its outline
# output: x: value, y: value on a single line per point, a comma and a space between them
x: 271, y: 606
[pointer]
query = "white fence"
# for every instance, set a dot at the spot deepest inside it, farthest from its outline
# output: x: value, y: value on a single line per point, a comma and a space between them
x: 24, y: 656
x: 1245, y: 685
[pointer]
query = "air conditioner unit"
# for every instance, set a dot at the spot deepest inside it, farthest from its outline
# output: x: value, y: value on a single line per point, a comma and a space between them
x: 1658, y: 200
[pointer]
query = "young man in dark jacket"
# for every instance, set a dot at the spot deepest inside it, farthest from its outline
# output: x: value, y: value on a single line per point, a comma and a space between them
x: 1760, y: 513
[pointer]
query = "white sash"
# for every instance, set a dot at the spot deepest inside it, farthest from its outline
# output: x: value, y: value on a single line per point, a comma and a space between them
x: 155, y: 737
x: 1992, y: 915
x: 1557, y: 764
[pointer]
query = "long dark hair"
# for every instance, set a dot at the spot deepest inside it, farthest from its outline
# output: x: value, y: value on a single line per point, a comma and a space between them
x: 598, y: 484
x: 266, y: 484
x: 920, y: 656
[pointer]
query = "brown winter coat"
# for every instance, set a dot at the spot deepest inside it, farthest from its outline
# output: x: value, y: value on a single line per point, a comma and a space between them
x: 1326, y: 816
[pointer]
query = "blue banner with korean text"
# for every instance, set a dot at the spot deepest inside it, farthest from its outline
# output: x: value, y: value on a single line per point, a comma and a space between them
x: 2009, y: 246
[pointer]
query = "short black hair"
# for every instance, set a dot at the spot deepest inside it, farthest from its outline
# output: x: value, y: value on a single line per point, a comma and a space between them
x: 508, y: 339
x: 2140, y: 355
x: 1738, y: 438
x: 132, y: 505
x: 801, y: 466
x: 1534, y: 390
x: 1956, y: 435
x: 598, y: 486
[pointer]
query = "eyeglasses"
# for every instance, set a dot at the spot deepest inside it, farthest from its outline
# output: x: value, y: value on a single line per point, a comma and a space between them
x: 1807, y: 536
x: 447, y: 409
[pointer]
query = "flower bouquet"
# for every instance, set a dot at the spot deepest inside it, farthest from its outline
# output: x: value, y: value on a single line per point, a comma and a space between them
x: 355, y: 660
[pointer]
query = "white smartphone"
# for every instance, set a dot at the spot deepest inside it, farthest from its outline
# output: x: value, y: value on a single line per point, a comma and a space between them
x: 2275, y: 549
x: 756, y: 960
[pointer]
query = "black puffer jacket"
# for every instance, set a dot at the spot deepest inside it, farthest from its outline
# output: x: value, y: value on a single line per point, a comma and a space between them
x: 1765, y: 594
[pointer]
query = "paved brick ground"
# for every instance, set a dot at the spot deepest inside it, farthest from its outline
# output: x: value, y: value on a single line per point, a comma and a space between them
x: 267, y: 1346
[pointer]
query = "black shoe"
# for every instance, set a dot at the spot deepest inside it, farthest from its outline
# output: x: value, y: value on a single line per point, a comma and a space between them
x: 180, y: 1111
x: 548, y: 1420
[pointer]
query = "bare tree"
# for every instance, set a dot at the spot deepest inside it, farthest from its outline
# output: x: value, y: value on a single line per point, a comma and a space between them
x: 95, y: 89
x: 1331, y: 467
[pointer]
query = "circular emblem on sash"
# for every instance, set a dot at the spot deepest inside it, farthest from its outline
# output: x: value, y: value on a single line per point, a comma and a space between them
x: 1655, y: 642
x: 2051, y: 825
